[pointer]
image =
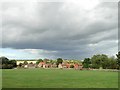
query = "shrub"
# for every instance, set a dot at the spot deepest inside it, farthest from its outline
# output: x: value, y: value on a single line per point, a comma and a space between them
x: 5, y: 63
x: 71, y: 66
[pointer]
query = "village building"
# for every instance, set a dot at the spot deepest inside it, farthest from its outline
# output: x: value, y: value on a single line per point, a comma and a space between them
x: 67, y: 65
x: 31, y: 65
x: 44, y: 64
x: 76, y: 66
x: 26, y: 66
x: 41, y: 64
x: 60, y: 66
x: 28, y: 61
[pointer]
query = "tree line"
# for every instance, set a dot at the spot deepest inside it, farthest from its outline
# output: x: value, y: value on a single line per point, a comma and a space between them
x: 102, y: 61
x: 96, y: 62
x: 5, y: 63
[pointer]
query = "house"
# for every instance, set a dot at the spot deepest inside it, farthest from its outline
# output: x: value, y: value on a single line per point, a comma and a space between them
x: 60, y: 66
x: 31, y: 65
x: 28, y: 61
x: 68, y: 65
x: 44, y: 65
x: 76, y: 66
x: 41, y: 64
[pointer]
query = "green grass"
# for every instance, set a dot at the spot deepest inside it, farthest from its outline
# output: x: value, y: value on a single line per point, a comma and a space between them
x: 0, y: 79
x: 55, y: 78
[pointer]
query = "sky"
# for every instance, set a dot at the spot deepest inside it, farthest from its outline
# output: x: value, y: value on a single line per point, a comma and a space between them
x: 69, y: 30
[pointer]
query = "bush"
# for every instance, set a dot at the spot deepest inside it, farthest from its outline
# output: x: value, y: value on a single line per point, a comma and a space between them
x: 38, y: 61
x: 0, y: 66
x: 25, y: 62
x: 7, y: 66
x: 5, y: 63
x: 71, y: 66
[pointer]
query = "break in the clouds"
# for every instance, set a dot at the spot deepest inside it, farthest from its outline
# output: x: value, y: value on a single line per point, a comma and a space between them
x: 59, y: 29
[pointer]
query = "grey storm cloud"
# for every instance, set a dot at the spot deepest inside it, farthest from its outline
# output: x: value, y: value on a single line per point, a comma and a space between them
x: 66, y: 28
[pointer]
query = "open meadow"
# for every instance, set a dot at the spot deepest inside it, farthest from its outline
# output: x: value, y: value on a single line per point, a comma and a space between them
x: 57, y: 78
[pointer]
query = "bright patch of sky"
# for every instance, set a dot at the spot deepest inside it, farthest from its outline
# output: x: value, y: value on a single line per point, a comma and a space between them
x: 17, y: 54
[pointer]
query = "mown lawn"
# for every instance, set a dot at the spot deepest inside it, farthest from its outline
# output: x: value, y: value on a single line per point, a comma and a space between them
x: 56, y: 78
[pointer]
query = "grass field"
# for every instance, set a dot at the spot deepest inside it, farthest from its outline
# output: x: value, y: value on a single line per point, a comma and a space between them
x: 55, y: 78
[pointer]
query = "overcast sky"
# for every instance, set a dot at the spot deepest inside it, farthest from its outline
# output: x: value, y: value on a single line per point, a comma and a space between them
x: 70, y: 30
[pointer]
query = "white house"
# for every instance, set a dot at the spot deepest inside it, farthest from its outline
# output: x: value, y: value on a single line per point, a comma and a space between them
x: 29, y: 61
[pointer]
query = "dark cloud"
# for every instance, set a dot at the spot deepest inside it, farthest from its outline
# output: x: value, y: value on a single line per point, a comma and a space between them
x: 66, y: 28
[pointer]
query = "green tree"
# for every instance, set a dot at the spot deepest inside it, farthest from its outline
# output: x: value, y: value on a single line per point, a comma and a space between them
x: 99, y: 61
x: 5, y: 63
x: 118, y: 60
x: 59, y: 61
x: 25, y: 63
x: 46, y: 60
x: 13, y: 62
x: 4, y: 60
x: 53, y: 61
x: 86, y: 63
x: 71, y: 66
x: 112, y: 64
x: 39, y: 60
x: 20, y: 64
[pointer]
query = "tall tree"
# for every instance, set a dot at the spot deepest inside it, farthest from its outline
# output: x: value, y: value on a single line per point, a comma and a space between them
x: 46, y: 60
x: 86, y: 63
x: 13, y: 62
x: 4, y: 60
x: 112, y: 64
x: 25, y: 62
x: 99, y: 60
x: 5, y: 63
x: 118, y: 59
x: 39, y: 60
x: 59, y: 61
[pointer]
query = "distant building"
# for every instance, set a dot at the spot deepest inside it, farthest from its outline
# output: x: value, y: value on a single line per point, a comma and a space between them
x: 29, y: 61
x: 41, y: 64
x: 60, y: 66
